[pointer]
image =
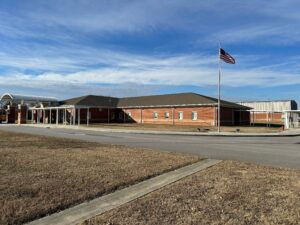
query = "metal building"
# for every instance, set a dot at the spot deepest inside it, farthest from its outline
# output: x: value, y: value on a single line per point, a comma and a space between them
x: 269, y: 112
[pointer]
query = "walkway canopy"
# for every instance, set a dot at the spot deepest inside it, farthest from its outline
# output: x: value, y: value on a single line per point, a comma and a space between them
x: 292, y: 119
x: 13, y: 99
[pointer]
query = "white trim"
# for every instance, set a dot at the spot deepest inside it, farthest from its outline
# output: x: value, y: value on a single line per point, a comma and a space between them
x: 194, y: 113
x: 129, y: 115
x: 180, y: 112
x: 6, y: 94
x: 166, y: 118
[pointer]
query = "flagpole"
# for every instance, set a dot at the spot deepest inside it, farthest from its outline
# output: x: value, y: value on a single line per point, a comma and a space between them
x: 219, y: 91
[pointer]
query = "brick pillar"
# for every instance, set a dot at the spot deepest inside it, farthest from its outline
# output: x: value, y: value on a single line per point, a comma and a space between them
x: 22, y: 109
x: 11, y: 114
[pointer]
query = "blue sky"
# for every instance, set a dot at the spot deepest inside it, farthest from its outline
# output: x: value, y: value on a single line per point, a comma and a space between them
x: 67, y: 48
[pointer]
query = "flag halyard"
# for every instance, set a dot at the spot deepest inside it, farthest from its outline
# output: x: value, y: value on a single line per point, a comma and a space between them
x: 226, y: 57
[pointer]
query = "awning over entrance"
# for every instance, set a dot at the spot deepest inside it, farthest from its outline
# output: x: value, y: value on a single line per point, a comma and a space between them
x: 13, y: 99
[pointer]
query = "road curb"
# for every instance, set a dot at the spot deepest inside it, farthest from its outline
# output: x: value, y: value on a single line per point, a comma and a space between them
x: 224, y: 134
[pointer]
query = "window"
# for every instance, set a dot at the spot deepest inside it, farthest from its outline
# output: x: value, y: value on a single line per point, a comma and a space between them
x: 155, y: 115
x: 167, y: 115
x: 180, y: 115
x: 194, y: 115
x: 129, y: 115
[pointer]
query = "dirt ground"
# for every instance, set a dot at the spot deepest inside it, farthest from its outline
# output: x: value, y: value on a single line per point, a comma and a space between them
x: 186, y: 128
x: 230, y: 193
x: 41, y: 175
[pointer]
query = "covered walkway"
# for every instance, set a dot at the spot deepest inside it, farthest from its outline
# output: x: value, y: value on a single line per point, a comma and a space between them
x: 65, y: 114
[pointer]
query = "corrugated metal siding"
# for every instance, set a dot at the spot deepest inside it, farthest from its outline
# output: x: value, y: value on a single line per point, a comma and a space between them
x: 277, y: 106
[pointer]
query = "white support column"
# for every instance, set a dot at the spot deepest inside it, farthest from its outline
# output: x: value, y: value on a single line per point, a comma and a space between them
x: 286, y: 121
x: 44, y: 116
x: 50, y: 117
x: 70, y: 117
x: 40, y: 115
x: 79, y: 117
x: 74, y: 117
x: 87, y: 116
x: 63, y: 121
x: 57, y: 116
x: 37, y: 116
x: 65, y: 116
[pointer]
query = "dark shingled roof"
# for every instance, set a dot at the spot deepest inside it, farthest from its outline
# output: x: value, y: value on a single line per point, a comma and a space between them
x: 92, y: 100
x: 181, y: 99
x: 168, y: 100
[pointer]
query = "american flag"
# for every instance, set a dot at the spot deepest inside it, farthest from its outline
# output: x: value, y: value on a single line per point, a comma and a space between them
x: 226, y: 57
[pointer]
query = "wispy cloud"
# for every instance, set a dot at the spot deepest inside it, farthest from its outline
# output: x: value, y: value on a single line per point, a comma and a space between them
x: 175, y: 70
x: 93, y: 45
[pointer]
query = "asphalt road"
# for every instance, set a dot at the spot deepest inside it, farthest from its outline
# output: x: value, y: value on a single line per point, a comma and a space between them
x: 274, y: 151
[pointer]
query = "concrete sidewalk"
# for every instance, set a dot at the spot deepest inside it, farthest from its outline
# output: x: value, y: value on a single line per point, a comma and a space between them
x: 100, y: 205
x: 294, y: 131
x: 288, y: 133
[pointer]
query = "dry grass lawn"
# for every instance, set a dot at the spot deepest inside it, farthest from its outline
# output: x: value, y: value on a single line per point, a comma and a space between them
x: 230, y: 193
x: 41, y: 175
x: 186, y: 128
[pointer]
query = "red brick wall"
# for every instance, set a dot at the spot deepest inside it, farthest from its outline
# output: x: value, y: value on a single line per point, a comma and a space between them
x: 11, y: 116
x: 264, y: 117
x: 206, y: 115
x: 2, y: 115
x: 22, y: 115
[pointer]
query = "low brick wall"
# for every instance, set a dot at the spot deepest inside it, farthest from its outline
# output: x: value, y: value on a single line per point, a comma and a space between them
x: 266, y: 117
